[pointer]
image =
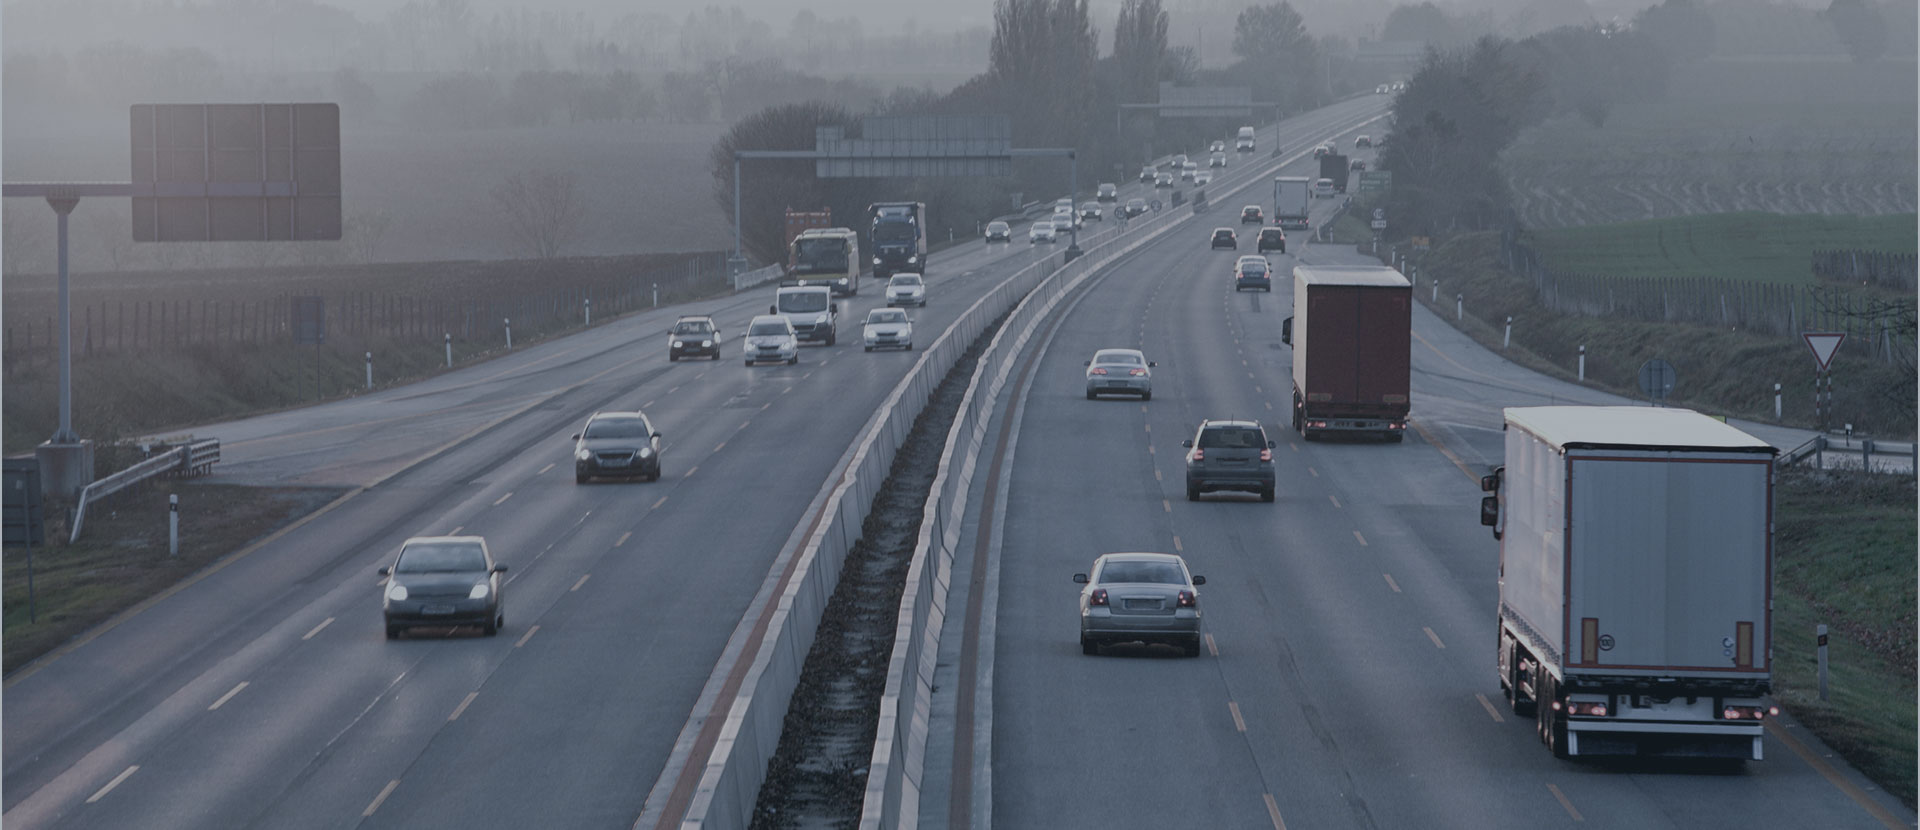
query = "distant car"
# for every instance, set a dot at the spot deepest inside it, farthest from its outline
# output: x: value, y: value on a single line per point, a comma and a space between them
x: 888, y: 328
x: 1381, y: 90
x: 1250, y: 215
x: 1187, y: 170
x: 1203, y: 177
x: 1224, y: 238
x: 1107, y: 192
x: 771, y: 338
x: 1040, y: 232
x: 1063, y: 204
x: 1217, y: 160
x: 1217, y: 147
x: 1362, y: 141
x: 1357, y: 164
x: 1253, y: 272
x: 1140, y: 598
x: 443, y: 581
x: 1271, y: 239
x: 1136, y: 207
x: 616, y: 445
x: 1178, y: 161
x: 1120, y: 371
x: 693, y: 336
x: 998, y: 231
x: 1322, y: 188
x: 1163, y: 180
x: 1147, y: 174
x: 1322, y: 150
x: 906, y: 289
x: 1229, y: 455
x: 1065, y: 223
x: 1091, y: 210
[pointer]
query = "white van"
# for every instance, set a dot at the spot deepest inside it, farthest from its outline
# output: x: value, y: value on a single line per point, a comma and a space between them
x: 810, y: 308
x: 1244, y: 141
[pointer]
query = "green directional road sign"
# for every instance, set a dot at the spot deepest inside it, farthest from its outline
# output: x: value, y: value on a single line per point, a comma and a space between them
x: 1375, y: 181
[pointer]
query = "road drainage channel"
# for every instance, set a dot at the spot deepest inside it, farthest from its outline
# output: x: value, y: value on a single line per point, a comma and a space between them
x: 818, y: 775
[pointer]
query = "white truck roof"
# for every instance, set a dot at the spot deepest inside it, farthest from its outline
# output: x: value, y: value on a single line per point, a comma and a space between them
x: 1631, y: 427
x: 1369, y: 275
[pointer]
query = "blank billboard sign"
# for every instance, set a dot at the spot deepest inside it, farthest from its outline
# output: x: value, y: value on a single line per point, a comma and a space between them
x: 236, y: 172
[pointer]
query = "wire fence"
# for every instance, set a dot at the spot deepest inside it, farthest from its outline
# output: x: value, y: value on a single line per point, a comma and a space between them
x: 1887, y: 270
x: 1879, y: 327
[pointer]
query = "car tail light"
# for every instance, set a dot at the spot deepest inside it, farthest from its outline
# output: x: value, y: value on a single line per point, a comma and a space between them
x: 1096, y: 371
x: 1188, y: 600
x: 1139, y: 373
x: 1591, y: 709
x: 1745, y: 712
x: 1266, y: 455
x: 1099, y: 597
x: 1199, y: 454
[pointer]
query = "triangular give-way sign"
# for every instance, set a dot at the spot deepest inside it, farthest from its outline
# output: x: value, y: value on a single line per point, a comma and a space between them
x: 1824, y: 344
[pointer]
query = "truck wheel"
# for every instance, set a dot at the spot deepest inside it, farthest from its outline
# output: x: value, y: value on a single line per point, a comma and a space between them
x: 1522, y: 707
x: 1193, y: 493
x: 1396, y: 437
x: 1089, y: 647
x: 1266, y: 494
x: 869, y: 348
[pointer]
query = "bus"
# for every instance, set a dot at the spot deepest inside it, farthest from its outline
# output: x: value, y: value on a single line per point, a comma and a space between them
x: 826, y: 256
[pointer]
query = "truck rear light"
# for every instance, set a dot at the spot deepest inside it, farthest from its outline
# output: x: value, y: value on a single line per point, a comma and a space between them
x: 1753, y: 713
x: 1317, y: 424
x: 1096, y: 371
x: 1266, y: 455
x: 1188, y: 600
x: 1099, y: 597
x: 1597, y: 710
x: 1396, y: 425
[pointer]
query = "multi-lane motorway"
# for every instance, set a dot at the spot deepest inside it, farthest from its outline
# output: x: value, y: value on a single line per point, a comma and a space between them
x: 263, y: 693
x: 1347, y: 678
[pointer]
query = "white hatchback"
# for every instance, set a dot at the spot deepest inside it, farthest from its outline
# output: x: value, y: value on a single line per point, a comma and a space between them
x: 888, y: 328
x: 1323, y: 189
x: 906, y: 289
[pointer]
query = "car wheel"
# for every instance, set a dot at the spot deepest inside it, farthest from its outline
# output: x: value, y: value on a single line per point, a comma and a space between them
x: 830, y: 338
x: 393, y: 632
x: 671, y: 357
x: 869, y: 348
x: 793, y: 361
x: 490, y: 627
x: 909, y: 347
x: 1088, y: 647
x: 580, y: 478
x: 1266, y: 494
x: 1192, y: 647
x: 1091, y: 394
x: 749, y: 364
x: 1146, y: 396
x: 1193, y: 493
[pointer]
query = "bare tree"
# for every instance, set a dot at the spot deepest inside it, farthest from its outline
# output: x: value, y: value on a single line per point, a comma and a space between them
x: 363, y: 233
x: 541, y: 209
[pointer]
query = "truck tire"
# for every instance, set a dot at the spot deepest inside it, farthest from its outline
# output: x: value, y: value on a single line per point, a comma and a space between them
x: 1521, y: 706
x: 1396, y: 437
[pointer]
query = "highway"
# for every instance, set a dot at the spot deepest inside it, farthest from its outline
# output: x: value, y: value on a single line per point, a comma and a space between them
x: 262, y: 692
x: 1348, y: 676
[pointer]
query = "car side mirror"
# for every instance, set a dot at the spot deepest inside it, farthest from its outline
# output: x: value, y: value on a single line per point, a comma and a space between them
x: 1286, y: 331
x: 1187, y: 443
x: 386, y: 572
x: 1151, y: 363
x: 772, y: 310
x: 1271, y: 445
x: 833, y: 307
x: 1199, y: 580
x: 1080, y: 579
x: 499, y: 569
x: 657, y: 436
x: 576, y: 436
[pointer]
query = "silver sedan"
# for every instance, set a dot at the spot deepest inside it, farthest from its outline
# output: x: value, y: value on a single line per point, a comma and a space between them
x: 1121, y: 372
x: 1140, y: 597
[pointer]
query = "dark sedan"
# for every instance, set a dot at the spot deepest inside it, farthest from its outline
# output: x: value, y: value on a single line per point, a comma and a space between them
x: 443, y: 581
x: 1229, y: 455
x: 1224, y: 238
x: 616, y: 445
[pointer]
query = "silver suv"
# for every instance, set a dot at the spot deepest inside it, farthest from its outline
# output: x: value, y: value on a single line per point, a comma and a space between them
x: 1229, y: 455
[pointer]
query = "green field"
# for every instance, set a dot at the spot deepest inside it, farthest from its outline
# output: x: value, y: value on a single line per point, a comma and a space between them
x: 1763, y: 247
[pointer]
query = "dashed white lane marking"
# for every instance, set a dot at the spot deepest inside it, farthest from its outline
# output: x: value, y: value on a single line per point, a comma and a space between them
x: 743, y: 425
x: 1273, y: 812
x: 456, y: 530
x: 1176, y: 545
x: 1269, y: 405
x: 503, y: 499
x: 583, y: 581
x: 1296, y: 447
x: 647, y: 405
x: 625, y: 536
x: 1166, y: 505
x: 102, y: 792
x: 1239, y: 723
x: 690, y: 471
x: 378, y: 799
x: 1314, y: 472
x: 1565, y: 803
x: 316, y: 629
x: 763, y: 407
x: 543, y: 470
x: 527, y: 636
x: 1156, y: 475
x: 228, y: 696
x: 1392, y: 584
x: 1212, y: 648
x: 1336, y: 502
x: 464, y: 703
x: 1434, y: 637
x: 1359, y: 538
x: 1490, y: 710
x: 720, y: 446
x: 656, y: 505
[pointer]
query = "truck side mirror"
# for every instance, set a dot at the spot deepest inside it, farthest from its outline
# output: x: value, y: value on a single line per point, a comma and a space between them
x: 1286, y: 331
x: 833, y: 307
x: 772, y: 310
x: 1490, y: 514
x: 1489, y: 483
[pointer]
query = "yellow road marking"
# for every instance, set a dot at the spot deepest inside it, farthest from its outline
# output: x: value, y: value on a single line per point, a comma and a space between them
x: 1434, y: 637
x: 1457, y: 462
x: 101, y: 793
x: 1490, y: 710
x: 228, y: 696
x: 316, y: 629
x: 1565, y: 803
x: 462, y: 707
x: 525, y: 637
x: 378, y: 799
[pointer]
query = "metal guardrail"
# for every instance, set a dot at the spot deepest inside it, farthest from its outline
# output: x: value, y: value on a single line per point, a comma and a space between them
x: 190, y: 459
x: 757, y: 276
x: 1847, y: 451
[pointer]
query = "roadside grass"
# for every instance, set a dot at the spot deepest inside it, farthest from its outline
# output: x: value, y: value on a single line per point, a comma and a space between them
x: 1762, y: 247
x: 122, y: 558
x: 1844, y: 557
x: 1720, y: 371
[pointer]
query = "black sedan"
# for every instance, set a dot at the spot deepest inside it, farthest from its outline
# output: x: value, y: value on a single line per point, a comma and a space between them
x: 443, y: 581
x: 616, y: 445
x: 1224, y: 238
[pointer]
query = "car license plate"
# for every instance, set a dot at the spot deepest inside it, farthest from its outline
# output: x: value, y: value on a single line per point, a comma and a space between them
x: 437, y: 609
x: 1116, y: 384
x: 1142, y: 604
x: 614, y: 462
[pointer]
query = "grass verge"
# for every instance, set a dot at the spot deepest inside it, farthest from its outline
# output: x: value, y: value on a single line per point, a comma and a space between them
x: 122, y: 559
x: 1844, y: 548
x: 1761, y: 247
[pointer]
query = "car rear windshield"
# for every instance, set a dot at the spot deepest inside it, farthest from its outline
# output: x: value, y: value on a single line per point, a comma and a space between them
x: 1253, y: 267
x: 767, y: 330
x: 1119, y: 357
x: 446, y: 557
x: 1273, y: 233
x: 616, y: 428
x: 1232, y: 438
x: 1222, y: 234
x: 1159, y: 573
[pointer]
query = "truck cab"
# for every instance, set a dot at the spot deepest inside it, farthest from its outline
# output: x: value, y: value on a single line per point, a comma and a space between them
x: 810, y: 308
x: 899, y: 237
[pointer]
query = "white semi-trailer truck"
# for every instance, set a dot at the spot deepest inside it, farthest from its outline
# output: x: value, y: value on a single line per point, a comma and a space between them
x: 1636, y: 589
